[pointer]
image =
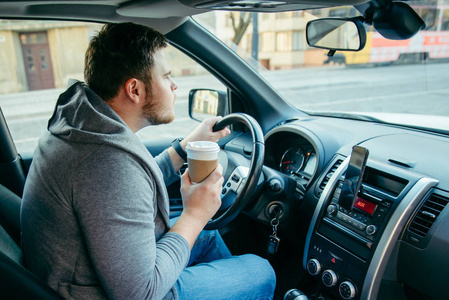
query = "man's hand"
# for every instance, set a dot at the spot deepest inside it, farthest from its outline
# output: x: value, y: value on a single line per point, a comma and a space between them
x: 201, y: 202
x: 203, y: 132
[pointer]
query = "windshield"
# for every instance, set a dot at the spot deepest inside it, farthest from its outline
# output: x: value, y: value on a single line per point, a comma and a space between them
x: 397, y: 81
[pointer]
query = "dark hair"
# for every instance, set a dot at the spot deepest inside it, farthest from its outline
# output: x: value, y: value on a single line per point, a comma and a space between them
x: 120, y: 52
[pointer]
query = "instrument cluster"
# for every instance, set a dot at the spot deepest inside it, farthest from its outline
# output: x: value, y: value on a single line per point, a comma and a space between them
x: 291, y: 154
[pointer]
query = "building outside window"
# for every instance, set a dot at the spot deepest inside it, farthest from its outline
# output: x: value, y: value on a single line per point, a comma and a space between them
x: 284, y: 41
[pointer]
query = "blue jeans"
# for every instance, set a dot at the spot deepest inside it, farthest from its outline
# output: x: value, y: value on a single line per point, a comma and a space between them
x: 213, y: 273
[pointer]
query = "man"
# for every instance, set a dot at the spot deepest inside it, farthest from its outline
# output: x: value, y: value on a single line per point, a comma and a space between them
x: 95, y: 207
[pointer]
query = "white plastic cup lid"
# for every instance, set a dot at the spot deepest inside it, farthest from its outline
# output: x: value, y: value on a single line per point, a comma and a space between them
x: 202, y: 150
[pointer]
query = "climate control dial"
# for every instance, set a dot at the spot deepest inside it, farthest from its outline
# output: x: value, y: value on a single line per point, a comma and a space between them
x: 314, y: 266
x: 347, y: 290
x: 329, y: 278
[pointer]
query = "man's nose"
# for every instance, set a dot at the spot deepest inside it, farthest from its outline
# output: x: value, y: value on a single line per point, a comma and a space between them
x: 174, y: 86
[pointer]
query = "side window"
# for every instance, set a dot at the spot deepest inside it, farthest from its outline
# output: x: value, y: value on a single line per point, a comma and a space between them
x: 188, y: 75
x: 37, y: 60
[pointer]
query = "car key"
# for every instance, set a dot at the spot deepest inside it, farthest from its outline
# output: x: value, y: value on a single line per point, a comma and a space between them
x: 273, y: 244
x: 273, y: 239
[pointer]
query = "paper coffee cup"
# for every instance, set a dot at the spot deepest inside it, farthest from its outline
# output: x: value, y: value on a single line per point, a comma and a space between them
x: 202, y: 158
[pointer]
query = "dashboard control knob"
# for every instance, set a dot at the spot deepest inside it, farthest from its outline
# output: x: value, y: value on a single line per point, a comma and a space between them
x: 295, y: 294
x: 347, y: 290
x: 314, y: 266
x: 371, y: 229
x: 332, y: 209
x: 329, y: 278
x: 275, y: 185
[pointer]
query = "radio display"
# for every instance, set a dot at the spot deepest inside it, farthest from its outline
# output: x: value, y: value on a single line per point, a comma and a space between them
x: 365, y: 206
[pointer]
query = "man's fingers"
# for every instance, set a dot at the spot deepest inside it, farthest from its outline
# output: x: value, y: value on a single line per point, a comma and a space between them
x: 186, y: 176
x: 212, y: 121
x: 224, y: 132
x: 216, y: 175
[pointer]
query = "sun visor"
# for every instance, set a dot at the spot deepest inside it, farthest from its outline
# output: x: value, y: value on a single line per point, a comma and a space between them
x: 266, y: 6
x: 183, y: 8
x: 157, y: 9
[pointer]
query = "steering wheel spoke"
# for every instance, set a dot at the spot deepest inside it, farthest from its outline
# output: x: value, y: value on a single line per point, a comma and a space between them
x: 236, y: 180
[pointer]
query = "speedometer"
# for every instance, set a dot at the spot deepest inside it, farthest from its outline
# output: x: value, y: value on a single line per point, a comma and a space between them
x: 292, y: 160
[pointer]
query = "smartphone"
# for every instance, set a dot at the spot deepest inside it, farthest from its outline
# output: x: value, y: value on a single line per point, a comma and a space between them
x: 353, y: 177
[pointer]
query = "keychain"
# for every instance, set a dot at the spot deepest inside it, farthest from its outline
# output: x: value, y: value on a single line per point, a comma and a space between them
x: 273, y: 239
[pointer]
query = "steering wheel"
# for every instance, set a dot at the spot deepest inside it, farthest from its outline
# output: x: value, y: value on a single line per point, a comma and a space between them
x: 242, y: 182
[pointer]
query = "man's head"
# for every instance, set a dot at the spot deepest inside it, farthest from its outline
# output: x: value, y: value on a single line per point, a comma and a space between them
x: 120, y: 52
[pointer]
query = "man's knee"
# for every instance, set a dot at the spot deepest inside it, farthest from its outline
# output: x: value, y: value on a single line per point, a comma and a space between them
x: 263, y: 272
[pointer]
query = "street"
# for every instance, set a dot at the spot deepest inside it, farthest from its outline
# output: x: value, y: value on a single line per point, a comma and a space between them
x: 392, y: 89
x: 419, y: 89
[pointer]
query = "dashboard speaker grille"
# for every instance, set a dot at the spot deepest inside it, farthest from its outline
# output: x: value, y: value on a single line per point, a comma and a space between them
x: 427, y: 214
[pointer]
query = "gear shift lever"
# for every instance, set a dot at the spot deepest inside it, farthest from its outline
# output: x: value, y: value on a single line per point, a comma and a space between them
x: 295, y: 294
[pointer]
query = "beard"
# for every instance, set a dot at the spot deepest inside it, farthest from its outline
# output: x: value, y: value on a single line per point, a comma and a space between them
x: 155, y: 112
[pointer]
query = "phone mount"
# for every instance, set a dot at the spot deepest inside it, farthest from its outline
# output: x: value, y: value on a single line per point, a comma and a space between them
x: 353, y: 178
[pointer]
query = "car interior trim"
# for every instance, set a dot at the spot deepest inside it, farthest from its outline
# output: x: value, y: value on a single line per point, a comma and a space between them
x: 324, y: 195
x: 390, y: 236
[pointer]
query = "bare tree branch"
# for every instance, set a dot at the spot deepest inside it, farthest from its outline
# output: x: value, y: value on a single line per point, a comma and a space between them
x: 240, y: 29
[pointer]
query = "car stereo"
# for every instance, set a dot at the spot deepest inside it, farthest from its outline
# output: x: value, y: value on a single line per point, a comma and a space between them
x: 353, y: 215
x: 366, y: 216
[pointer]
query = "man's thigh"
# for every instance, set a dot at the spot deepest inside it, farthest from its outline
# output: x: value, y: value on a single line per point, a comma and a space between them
x: 235, y: 277
x: 209, y: 246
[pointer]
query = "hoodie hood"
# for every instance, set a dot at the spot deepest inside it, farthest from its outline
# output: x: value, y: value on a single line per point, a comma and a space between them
x: 81, y: 116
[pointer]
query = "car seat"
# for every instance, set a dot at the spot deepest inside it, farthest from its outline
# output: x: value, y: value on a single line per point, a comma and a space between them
x: 16, y: 282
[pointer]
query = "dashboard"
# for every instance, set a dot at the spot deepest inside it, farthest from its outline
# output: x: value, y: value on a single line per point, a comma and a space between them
x: 400, y: 217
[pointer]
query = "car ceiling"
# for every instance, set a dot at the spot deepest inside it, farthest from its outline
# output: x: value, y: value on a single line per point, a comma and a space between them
x: 164, y: 15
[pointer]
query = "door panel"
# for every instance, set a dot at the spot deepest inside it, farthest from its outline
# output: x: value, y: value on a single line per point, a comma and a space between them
x: 37, y: 60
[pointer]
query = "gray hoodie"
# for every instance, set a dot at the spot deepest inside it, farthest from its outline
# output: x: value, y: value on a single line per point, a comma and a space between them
x: 95, y: 207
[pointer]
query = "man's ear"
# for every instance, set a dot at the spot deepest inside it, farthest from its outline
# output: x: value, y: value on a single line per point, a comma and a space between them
x: 135, y: 90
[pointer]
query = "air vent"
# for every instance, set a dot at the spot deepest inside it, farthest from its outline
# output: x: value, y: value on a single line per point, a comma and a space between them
x: 427, y: 214
x: 300, y: 190
x: 329, y: 174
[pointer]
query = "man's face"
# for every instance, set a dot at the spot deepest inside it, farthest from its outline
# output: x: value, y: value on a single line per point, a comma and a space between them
x: 160, y: 102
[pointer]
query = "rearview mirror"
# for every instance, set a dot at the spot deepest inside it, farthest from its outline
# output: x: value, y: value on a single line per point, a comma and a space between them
x: 205, y: 103
x: 336, y: 34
